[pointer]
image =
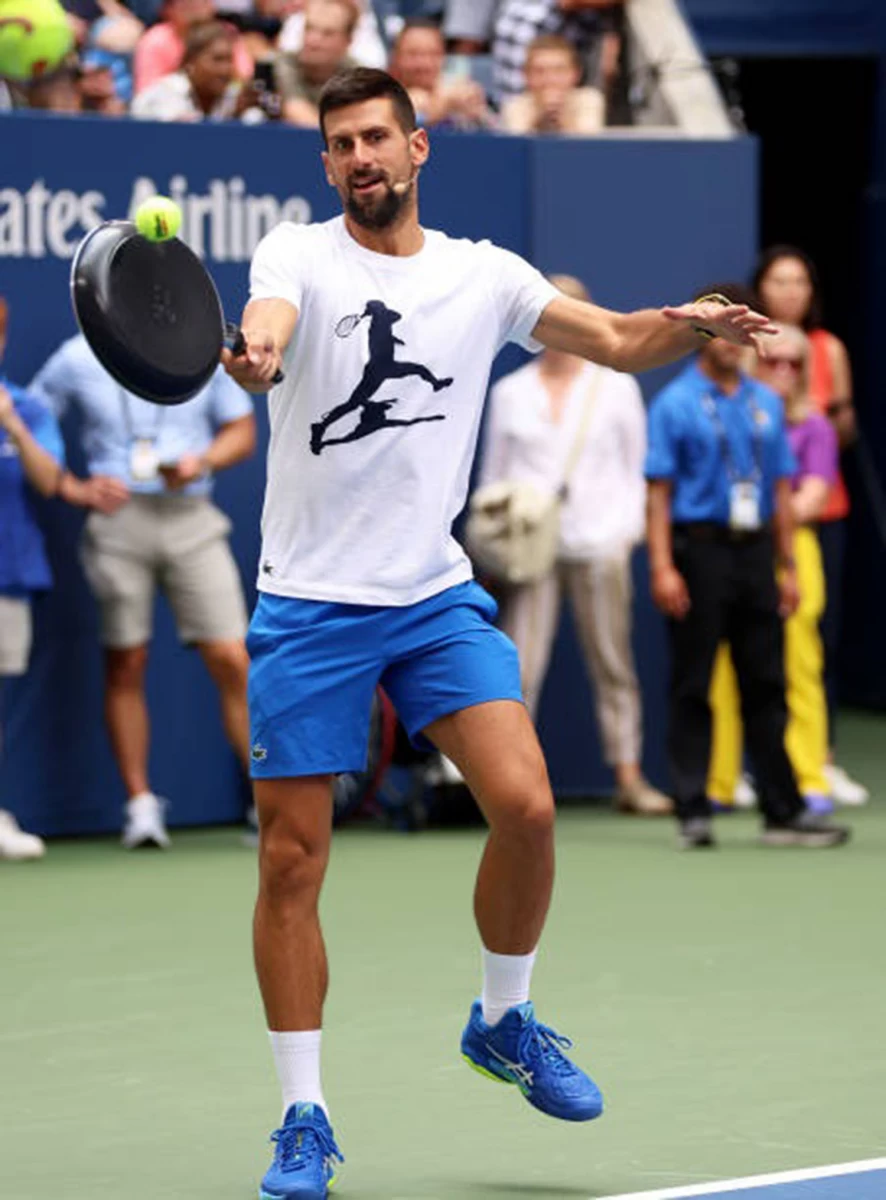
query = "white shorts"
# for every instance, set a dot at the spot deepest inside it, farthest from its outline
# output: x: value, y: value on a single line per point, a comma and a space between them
x: 15, y: 635
x: 176, y: 543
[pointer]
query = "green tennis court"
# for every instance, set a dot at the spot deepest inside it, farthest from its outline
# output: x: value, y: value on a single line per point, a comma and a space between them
x: 730, y: 1005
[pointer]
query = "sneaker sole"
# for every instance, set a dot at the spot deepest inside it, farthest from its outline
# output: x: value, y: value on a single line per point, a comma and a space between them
x: 558, y: 1116
x: 475, y: 1066
x: 312, y: 1195
x: 811, y: 841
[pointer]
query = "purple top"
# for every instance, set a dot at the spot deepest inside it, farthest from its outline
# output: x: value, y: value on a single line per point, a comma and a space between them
x: 814, y: 444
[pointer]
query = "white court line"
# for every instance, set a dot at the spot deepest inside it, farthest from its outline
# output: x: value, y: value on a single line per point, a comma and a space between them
x: 737, y: 1185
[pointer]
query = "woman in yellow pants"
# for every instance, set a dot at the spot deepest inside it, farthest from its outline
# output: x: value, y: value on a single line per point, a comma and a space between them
x: 786, y: 370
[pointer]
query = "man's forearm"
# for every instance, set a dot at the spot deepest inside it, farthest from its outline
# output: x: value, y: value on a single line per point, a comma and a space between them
x: 648, y: 339
x: 658, y: 525
x: 783, y: 524
x: 232, y: 444
x: 42, y: 471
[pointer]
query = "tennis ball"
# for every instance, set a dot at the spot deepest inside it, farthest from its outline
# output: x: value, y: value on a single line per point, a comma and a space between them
x: 35, y: 36
x: 158, y: 219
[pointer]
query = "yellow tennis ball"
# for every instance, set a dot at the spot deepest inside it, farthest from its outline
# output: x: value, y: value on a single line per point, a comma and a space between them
x: 158, y: 219
x: 35, y: 36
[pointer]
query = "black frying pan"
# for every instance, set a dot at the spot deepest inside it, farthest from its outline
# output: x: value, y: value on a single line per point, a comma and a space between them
x: 150, y: 312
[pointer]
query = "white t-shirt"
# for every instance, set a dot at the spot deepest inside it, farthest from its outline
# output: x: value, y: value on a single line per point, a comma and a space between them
x: 374, y: 428
x: 603, y: 514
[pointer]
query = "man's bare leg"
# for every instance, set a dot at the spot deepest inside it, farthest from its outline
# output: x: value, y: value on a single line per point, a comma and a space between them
x: 496, y: 749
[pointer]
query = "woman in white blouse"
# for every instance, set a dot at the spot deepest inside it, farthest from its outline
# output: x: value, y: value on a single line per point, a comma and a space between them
x: 557, y: 406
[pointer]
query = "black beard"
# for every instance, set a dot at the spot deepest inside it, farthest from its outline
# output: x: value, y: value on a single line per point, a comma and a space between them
x: 381, y: 215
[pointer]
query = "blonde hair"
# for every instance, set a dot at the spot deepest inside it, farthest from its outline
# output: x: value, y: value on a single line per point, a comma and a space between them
x: 791, y: 334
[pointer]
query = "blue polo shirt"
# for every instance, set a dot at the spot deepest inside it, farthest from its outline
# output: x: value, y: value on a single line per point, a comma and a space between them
x: 24, y: 567
x: 685, y: 444
x: 113, y: 417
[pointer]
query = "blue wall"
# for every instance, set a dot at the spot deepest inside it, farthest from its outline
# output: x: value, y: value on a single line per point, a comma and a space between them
x: 794, y: 27
x: 642, y: 223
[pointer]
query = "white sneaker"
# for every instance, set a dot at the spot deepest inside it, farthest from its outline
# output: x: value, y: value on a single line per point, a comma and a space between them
x: 745, y: 794
x: 441, y: 771
x: 15, y: 843
x: 144, y: 823
x: 844, y: 789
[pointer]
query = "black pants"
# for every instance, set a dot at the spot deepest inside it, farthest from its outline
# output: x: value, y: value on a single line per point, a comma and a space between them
x: 734, y: 597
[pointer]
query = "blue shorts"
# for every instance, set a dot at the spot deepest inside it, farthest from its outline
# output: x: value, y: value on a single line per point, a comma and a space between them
x: 315, y: 666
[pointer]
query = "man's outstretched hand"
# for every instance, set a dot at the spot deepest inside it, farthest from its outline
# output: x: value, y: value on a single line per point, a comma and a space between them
x: 735, y: 322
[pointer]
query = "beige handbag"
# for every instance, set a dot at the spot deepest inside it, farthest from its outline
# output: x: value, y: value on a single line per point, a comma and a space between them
x: 513, y: 529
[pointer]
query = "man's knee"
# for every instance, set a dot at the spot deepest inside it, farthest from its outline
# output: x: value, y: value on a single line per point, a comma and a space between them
x: 523, y: 805
x: 291, y: 869
x: 125, y: 667
x: 227, y: 663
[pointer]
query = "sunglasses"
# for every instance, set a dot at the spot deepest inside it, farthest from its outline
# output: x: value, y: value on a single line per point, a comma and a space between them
x: 784, y: 360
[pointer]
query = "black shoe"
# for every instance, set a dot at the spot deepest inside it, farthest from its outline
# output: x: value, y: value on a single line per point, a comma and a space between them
x: 807, y: 829
x: 696, y: 834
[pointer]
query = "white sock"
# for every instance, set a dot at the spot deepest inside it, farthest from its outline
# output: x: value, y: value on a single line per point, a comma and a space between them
x: 506, y: 980
x: 297, y: 1059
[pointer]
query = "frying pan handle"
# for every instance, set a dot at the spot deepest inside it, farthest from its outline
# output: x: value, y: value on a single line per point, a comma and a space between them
x: 237, y: 345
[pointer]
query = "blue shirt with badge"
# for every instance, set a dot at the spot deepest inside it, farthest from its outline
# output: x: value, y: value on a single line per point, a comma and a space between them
x: 127, y: 437
x: 705, y: 442
x: 24, y: 567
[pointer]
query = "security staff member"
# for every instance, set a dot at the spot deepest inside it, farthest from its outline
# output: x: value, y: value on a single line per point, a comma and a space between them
x: 720, y: 547
x: 31, y: 453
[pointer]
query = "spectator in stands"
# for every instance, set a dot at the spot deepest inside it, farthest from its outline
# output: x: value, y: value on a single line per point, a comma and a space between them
x: 417, y: 61
x: 591, y: 25
x: 787, y: 283
x: 152, y: 524
x: 98, y: 92
x: 161, y: 50
x: 562, y: 410
x: 366, y: 47
x: 301, y: 77
x: 58, y: 92
x: 109, y: 45
x: 721, y: 553
x: 785, y: 369
x: 553, y: 101
x: 31, y: 454
x: 205, y: 88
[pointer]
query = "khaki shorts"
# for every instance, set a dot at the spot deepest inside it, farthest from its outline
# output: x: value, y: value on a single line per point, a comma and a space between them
x: 176, y: 543
x: 15, y: 635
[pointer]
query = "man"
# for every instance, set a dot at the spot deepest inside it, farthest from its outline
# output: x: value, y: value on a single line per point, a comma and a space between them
x: 553, y: 101
x: 720, y: 540
x: 153, y: 524
x: 31, y: 453
x: 558, y: 415
x: 301, y: 76
x: 417, y: 62
x: 592, y: 26
x: 361, y: 582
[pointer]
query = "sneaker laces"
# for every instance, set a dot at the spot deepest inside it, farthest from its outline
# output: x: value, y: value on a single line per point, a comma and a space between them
x: 294, y: 1154
x: 540, y: 1041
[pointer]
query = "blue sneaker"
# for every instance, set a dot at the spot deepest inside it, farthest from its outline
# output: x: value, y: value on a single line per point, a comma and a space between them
x: 519, y: 1050
x: 304, y: 1161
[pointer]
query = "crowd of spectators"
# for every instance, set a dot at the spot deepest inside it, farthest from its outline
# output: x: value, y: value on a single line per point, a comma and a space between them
x: 518, y: 66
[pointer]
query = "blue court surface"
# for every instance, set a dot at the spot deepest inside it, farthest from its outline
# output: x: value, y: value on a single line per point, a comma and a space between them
x: 845, y: 1181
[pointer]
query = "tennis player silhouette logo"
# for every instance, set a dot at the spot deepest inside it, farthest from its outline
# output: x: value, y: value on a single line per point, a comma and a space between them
x: 381, y: 367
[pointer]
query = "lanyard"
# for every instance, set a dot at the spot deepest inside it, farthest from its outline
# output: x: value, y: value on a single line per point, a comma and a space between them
x: 128, y: 422
x: 710, y: 407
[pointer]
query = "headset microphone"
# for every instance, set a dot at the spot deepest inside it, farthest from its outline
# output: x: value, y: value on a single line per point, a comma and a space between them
x: 402, y: 186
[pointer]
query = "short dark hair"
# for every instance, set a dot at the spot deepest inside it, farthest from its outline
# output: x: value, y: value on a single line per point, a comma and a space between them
x: 770, y: 256
x: 359, y: 84
x: 735, y: 293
